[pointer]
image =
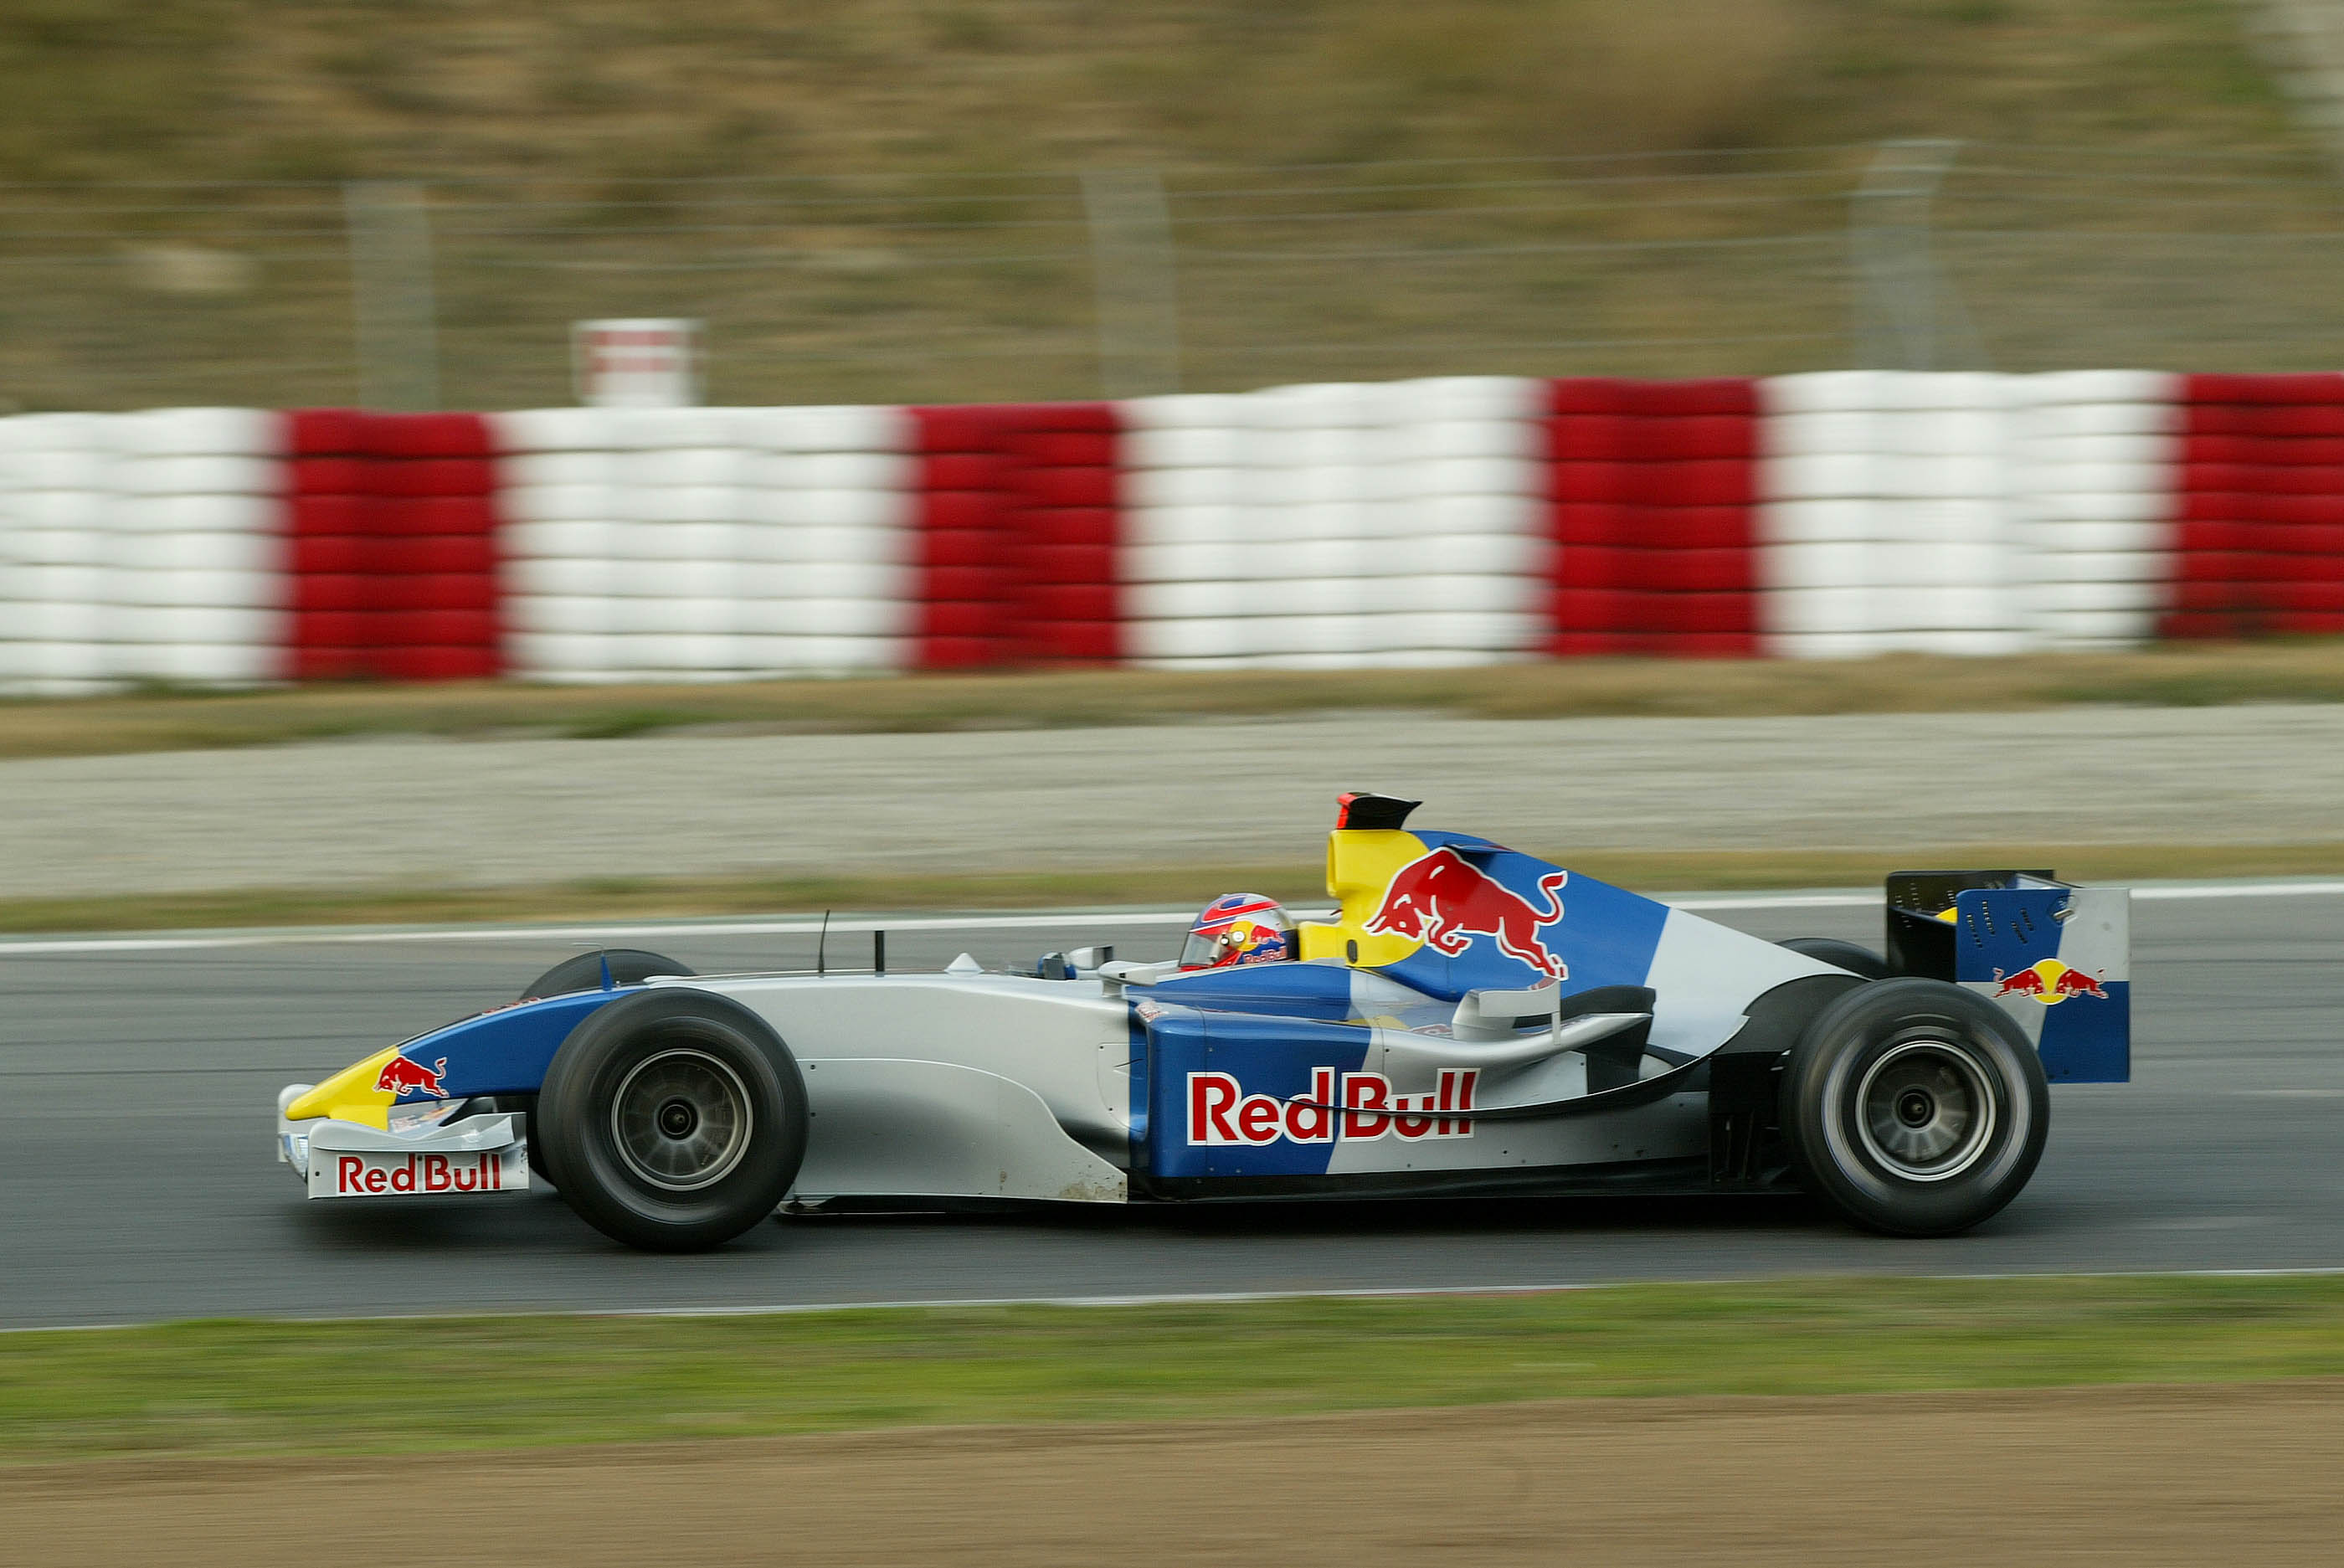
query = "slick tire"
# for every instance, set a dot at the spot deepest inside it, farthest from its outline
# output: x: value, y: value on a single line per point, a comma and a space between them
x: 629, y: 967
x: 1914, y: 1108
x: 673, y: 1120
x: 1852, y: 956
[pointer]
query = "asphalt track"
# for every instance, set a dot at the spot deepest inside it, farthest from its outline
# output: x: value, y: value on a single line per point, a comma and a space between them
x: 136, y: 1082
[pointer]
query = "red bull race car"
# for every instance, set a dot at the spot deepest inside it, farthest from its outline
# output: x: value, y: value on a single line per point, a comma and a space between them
x: 1468, y: 1020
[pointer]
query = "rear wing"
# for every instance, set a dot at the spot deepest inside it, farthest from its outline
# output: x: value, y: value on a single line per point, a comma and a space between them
x: 2056, y: 957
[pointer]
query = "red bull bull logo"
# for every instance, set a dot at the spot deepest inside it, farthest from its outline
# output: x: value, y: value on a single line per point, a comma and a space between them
x: 1221, y: 1113
x: 1444, y: 900
x: 2048, y: 981
x: 401, y: 1078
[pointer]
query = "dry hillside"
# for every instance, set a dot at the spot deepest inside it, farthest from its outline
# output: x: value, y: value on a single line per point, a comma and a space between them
x: 878, y: 198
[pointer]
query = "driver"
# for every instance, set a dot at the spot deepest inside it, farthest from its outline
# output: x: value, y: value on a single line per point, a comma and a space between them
x: 1240, y: 928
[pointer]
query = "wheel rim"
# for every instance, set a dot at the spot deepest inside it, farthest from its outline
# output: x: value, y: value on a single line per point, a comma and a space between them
x: 682, y: 1120
x: 1926, y: 1110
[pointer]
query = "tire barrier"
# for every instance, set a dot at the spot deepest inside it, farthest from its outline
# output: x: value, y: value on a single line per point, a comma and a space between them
x: 1652, y: 486
x: 1331, y: 526
x: 1888, y: 523
x: 140, y: 548
x: 2096, y: 456
x: 393, y: 521
x: 1963, y: 513
x: 2260, y: 545
x: 1018, y: 518
x: 707, y: 544
x: 1448, y: 521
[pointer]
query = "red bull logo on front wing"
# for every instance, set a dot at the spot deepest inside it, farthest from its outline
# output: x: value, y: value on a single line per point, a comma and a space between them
x: 2048, y: 981
x: 401, y: 1078
x: 1444, y: 900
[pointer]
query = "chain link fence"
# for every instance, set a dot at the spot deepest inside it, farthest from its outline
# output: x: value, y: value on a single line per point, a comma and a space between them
x: 885, y: 288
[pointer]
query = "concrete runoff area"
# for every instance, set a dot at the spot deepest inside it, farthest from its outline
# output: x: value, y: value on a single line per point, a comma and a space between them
x: 136, y: 1089
x: 475, y: 813
x: 2123, y: 1475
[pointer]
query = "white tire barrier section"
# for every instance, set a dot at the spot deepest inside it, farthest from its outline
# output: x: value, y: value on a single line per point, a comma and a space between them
x: 2094, y: 476
x: 141, y: 547
x: 1888, y: 521
x: 1334, y: 526
x: 1448, y: 521
x: 1965, y: 513
x: 706, y: 544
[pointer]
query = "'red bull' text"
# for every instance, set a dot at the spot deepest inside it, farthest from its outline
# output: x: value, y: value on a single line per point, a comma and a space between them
x: 1361, y: 1106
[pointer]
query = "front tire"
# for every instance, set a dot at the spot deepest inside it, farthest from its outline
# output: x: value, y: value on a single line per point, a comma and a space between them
x: 629, y: 967
x: 583, y: 972
x: 1914, y: 1108
x: 673, y: 1120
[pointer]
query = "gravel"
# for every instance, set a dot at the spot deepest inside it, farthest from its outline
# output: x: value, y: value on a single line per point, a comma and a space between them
x: 428, y: 813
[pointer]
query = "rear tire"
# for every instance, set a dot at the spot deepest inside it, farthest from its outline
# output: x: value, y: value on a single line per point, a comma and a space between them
x: 673, y: 1120
x: 1914, y: 1108
x: 629, y: 967
x: 1853, y: 956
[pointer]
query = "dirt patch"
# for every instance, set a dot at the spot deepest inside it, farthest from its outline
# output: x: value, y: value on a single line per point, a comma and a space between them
x: 2237, y: 1472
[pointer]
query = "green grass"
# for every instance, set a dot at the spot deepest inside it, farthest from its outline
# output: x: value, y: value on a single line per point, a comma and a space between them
x: 241, y: 1387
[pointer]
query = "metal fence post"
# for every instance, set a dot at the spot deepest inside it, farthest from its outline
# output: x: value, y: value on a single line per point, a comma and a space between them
x: 2303, y: 41
x: 1906, y: 317
x: 1133, y: 271
x: 391, y: 280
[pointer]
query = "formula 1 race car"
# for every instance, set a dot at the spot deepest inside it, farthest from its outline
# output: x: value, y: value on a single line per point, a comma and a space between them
x: 1469, y: 1021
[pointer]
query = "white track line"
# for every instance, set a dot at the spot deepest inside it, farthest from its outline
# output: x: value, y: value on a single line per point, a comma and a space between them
x: 794, y: 926
x: 2164, y: 890
x: 799, y: 926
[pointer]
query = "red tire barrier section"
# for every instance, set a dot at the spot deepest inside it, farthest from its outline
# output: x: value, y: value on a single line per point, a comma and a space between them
x: 393, y: 524
x: 1652, y: 486
x: 2260, y: 547
x: 1018, y: 524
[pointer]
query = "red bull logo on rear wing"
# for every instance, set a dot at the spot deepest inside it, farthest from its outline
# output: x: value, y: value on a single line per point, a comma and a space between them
x: 2048, y: 981
x: 2058, y: 959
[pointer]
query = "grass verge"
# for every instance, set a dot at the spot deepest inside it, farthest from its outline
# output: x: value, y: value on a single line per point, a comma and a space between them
x: 239, y: 1387
x: 2170, y: 676
x: 1165, y: 886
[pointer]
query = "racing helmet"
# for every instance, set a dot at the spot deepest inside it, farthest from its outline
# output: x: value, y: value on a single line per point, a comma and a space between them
x: 1238, y: 929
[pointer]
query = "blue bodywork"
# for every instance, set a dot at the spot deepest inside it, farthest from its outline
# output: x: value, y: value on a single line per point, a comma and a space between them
x: 506, y: 1050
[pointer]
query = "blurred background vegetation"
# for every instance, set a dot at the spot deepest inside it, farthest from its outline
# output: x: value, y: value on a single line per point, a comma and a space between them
x: 881, y: 199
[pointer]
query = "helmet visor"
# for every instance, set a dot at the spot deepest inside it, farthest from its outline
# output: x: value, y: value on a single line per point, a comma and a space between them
x: 1202, y: 951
